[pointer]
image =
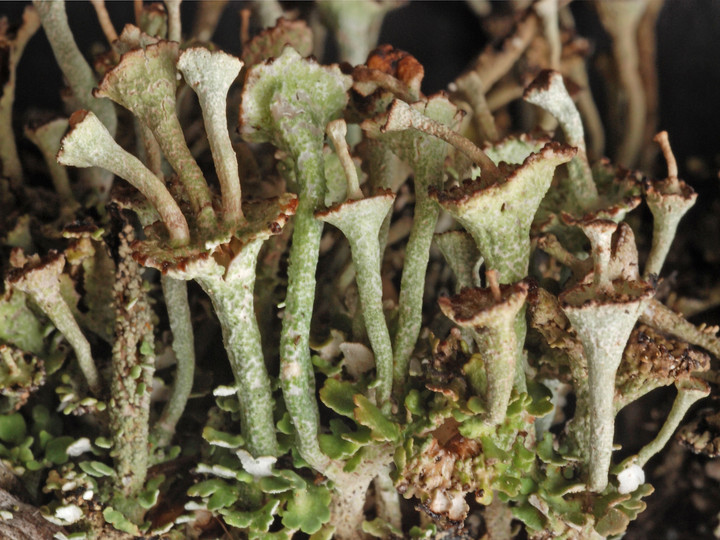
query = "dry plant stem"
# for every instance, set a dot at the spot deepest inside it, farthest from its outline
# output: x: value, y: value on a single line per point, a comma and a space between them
x: 234, y: 303
x: 548, y: 12
x: 647, y: 67
x: 178, y: 308
x: 137, y: 11
x: 401, y: 117
x: 592, y: 121
x: 71, y: 61
x: 104, y: 20
x: 210, y: 75
x: 89, y: 144
x: 207, y: 17
x: 492, y: 64
x: 11, y: 166
x: 621, y: 19
x: 130, y: 394
x: 174, y: 24
x: 661, y: 317
x: 688, y: 394
x: 47, y: 138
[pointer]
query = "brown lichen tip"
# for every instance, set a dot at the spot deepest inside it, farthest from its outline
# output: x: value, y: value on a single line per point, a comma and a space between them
x: 478, y: 308
x: 264, y: 219
x: 672, y: 193
x: 622, y: 292
x: 392, y: 69
x: 270, y: 42
x: 351, y: 205
x: 458, y: 196
x: 37, y: 273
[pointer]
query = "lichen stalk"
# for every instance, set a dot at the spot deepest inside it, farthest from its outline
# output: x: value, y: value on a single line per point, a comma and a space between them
x: 47, y: 138
x: 178, y: 308
x: 210, y: 75
x: 40, y: 280
x: 71, y: 61
x: 689, y: 392
x: 296, y: 371
x: 360, y: 222
x: 234, y: 303
x: 89, y: 144
x: 548, y: 92
x: 668, y: 201
x: 155, y: 107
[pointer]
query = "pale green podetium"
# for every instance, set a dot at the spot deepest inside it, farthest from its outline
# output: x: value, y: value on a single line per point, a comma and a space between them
x: 498, y: 212
x: 210, y: 75
x: 360, y: 220
x: 668, y: 200
x: 410, y: 131
x: 89, y: 144
x: 288, y: 101
x: 548, y: 92
x: 47, y: 136
x: 40, y: 279
x: 490, y: 314
x: 603, y: 313
x: 154, y: 106
x: 226, y: 272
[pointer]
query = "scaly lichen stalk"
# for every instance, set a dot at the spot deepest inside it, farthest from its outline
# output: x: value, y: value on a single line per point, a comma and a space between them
x: 133, y: 366
x: 234, y: 303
